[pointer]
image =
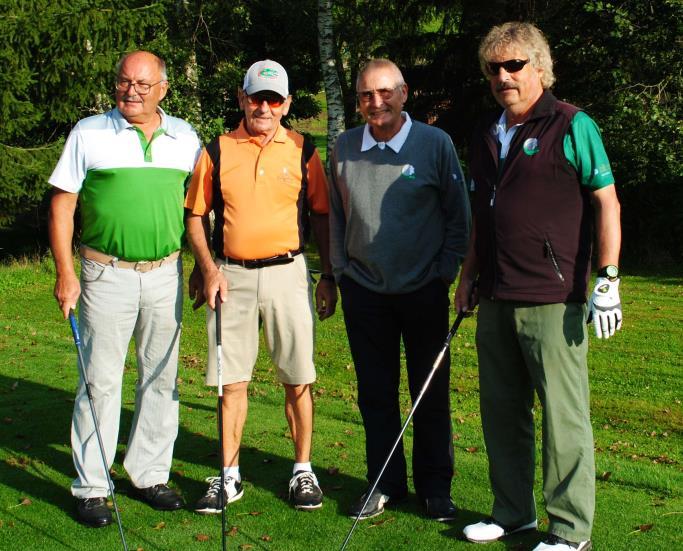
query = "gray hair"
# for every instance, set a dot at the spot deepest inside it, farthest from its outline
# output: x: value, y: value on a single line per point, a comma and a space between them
x: 160, y: 63
x: 526, y: 37
x: 380, y: 63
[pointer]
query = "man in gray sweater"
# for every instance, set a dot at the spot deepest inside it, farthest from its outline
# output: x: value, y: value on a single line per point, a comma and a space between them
x: 399, y: 225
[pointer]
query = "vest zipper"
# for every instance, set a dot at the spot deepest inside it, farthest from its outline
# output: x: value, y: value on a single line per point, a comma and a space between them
x: 553, y: 260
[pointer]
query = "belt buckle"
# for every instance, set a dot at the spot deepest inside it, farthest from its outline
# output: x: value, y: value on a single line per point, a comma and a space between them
x: 143, y: 266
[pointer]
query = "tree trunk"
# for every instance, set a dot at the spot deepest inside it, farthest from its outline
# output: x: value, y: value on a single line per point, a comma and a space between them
x: 333, y: 93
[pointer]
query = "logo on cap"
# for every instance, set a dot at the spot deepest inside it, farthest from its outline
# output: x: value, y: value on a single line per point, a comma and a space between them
x: 268, y: 73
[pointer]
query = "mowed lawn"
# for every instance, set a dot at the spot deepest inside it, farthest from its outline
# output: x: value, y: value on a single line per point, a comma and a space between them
x: 636, y: 409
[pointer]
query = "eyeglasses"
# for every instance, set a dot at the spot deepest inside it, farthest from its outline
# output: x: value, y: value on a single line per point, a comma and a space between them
x: 385, y: 94
x: 510, y: 66
x: 141, y: 88
x: 274, y: 100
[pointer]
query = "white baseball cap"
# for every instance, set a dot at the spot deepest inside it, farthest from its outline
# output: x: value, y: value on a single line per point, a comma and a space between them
x: 266, y: 75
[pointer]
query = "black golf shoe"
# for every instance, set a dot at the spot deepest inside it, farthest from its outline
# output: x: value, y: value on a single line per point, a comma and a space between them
x: 159, y: 497
x: 440, y: 509
x: 304, y: 491
x: 375, y: 504
x: 93, y: 511
x: 210, y: 503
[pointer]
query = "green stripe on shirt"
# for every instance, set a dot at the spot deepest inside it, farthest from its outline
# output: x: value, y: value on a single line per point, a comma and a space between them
x: 133, y: 213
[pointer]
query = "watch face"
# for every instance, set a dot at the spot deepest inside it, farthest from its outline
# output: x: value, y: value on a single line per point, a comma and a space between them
x: 612, y: 271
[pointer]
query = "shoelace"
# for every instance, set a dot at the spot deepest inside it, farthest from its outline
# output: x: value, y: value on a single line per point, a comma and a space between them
x: 306, y: 483
x: 215, y: 485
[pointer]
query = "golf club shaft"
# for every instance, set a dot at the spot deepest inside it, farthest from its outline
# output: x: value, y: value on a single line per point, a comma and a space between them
x: 81, y: 368
x: 425, y: 386
x: 219, y: 377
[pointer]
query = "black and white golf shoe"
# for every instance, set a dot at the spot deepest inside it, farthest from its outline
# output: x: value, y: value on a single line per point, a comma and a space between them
x: 304, y: 492
x: 209, y: 504
x: 375, y: 504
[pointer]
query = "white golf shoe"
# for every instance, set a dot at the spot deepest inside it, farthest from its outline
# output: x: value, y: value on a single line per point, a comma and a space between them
x: 489, y: 530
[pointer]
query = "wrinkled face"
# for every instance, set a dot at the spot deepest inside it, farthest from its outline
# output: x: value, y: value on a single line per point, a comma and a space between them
x: 381, y: 97
x: 515, y: 91
x: 263, y: 112
x: 140, y: 68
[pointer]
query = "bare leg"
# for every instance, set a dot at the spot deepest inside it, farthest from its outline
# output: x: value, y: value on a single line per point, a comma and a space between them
x: 235, y: 407
x: 299, y: 413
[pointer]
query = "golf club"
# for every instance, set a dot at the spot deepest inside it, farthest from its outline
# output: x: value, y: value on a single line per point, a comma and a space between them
x: 425, y: 386
x: 219, y: 377
x: 81, y: 368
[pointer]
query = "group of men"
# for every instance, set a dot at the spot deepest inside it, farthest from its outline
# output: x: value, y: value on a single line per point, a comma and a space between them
x: 392, y: 227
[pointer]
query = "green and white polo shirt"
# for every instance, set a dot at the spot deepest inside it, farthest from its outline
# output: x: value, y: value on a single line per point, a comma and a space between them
x: 130, y: 190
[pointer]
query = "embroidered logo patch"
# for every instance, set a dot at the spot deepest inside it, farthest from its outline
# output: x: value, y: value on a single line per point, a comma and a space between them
x: 531, y: 146
x: 268, y: 73
x: 408, y: 171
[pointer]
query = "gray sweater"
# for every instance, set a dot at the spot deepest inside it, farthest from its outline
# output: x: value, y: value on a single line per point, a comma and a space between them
x: 397, y: 220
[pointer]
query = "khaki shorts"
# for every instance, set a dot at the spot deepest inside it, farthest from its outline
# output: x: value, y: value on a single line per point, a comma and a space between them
x: 281, y: 297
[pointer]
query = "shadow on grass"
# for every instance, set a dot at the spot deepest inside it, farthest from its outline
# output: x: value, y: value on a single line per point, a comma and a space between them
x: 35, y: 441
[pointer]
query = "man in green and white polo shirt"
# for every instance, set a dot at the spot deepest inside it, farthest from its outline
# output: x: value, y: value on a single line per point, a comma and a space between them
x: 127, y: 169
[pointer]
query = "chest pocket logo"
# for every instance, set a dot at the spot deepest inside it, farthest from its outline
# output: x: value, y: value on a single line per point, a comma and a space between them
x: 530, y: 146
x: 408, y: 171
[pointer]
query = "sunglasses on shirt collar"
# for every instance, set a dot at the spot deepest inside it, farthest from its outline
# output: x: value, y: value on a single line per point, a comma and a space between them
x: 510, y: 66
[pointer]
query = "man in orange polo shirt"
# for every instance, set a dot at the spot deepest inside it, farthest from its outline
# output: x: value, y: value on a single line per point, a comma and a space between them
x: 264, y: 184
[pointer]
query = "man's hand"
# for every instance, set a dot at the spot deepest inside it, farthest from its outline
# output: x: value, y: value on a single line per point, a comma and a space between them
x: 325, y: 298
x: 196, y: 287
x: 214, y: 283
x: 67, y: 290
x: 466, y: 295
x: 604, y: 307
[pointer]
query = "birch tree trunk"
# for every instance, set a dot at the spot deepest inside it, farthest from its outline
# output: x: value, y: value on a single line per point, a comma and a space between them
x: 333, y: 92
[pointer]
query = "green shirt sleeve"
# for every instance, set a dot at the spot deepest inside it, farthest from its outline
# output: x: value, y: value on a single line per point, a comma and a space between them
x: 584, y: 150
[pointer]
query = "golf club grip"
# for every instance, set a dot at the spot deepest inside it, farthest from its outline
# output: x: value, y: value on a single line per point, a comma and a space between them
x: 74, y: 328
x: 217, y: 306
x: 454, y: 328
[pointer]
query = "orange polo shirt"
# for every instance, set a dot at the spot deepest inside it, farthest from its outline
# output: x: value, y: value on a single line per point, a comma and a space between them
x: 265, y: 193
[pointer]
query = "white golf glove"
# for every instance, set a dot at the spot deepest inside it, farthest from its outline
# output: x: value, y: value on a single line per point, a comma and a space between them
x: 604, y: 307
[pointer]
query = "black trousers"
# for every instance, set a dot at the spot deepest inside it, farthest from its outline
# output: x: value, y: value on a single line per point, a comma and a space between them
x: 375, y: 324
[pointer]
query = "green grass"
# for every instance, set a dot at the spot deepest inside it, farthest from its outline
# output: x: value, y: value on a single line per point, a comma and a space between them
x: 636, y: 411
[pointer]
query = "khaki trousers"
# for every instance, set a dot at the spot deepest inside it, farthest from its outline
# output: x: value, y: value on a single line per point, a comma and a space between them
x: 117, y: 304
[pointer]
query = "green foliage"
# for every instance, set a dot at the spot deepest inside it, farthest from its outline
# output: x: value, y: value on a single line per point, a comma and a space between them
x: 622, y: 62
x: 58, y: 60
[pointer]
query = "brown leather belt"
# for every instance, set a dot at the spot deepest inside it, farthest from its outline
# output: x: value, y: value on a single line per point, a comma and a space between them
x: 142, y: 266
x: 264, y: 262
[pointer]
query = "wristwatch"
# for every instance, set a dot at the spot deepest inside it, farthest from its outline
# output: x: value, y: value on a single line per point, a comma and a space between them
x: 610, y: 271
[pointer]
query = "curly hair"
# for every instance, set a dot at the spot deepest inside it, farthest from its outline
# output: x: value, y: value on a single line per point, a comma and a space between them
x: 524, y: 36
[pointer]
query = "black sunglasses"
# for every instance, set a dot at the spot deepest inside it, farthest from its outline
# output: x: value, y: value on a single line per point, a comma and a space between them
x: 510, y: 66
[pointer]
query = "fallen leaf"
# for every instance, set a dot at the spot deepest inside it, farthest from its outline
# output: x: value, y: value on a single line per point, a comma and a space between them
x: 348, y: 432
x: 233, y: 531
x: 332, y: 471
x: 267, y: 460
x: 605, y: 475
x: 471, y: 449
x: 14, y: 386
x: 160, y: 525
x: 266, y: 537
x: 255, y: 513
x: 201, y: 537
x: 7, y: 420
x: 245, y: 546
x: 460, y: 420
